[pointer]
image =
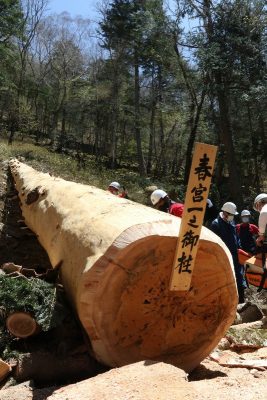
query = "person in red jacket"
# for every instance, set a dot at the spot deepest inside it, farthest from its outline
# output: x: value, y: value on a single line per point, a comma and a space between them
x: 162, y: 202
x: 247, y: 232
x: 114, y: 188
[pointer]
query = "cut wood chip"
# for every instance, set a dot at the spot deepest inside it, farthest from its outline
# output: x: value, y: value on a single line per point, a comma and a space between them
x: 5, y: 369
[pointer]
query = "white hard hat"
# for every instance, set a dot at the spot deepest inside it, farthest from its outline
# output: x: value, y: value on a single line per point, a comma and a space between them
x: 245, y: 213
x: 259, y: 198
x: 157, y: 195
x: 230, y: 208
x: 115, y: 185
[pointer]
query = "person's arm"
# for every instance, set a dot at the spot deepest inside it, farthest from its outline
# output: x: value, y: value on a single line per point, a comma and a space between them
x: 262, y: 227
x: 124, y: 193
x: 176, y: 209
x: 254, y: 229
x: 211, y: 210
x: 238, y: 240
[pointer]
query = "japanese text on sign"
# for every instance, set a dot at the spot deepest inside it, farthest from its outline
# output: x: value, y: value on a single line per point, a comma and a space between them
x: 193, y: 214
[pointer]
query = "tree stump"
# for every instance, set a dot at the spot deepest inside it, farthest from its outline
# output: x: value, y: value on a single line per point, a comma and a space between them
x: 21, y: 325
x: 116, y: 258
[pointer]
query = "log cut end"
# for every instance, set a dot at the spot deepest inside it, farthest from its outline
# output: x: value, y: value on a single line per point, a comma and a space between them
x: 21, y: 325
x: 131, y: 315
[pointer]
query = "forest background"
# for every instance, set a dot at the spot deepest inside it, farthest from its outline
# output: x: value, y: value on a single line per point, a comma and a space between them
x: 134, y: 92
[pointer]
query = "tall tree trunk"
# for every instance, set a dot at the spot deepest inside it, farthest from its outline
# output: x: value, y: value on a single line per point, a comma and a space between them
x: 141, y: 160
x: 263, y: 139
x: 13, y: 128
x: 162, y: 159
x: 152, y: 121
x: 222, y: 93
x: 235, y: 178
x: 254, y: 145
x: 195, y: 111
x: 114, y: 119
x: 151, y: 135
x: 195, y: 115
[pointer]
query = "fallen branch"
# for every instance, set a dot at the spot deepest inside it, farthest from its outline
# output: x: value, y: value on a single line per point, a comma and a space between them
x: 228, y: 360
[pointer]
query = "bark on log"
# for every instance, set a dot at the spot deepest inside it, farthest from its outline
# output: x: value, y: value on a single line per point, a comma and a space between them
x: 116, y: 258
x: 49, y: 369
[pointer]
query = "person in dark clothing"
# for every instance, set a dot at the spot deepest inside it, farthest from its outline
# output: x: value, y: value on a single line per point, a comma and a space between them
x: 224, y: 227
x: 247, y: 233
x: 162, y: 202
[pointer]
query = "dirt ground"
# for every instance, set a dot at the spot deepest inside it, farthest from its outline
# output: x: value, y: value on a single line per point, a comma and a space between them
x: 213, y: 381
x: 218, y: 382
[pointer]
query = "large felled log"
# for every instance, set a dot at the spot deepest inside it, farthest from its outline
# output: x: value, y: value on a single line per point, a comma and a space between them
x: 116, y: 258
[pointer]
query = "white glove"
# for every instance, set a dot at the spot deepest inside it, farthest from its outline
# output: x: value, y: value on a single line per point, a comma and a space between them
x: 209, y: 203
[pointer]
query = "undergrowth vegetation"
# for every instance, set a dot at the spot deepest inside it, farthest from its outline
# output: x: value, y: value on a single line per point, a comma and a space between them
x: 91, y: 173
x: 34, y: 296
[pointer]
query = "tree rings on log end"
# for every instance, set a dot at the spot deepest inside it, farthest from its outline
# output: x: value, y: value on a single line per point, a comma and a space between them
x: 21, y: 325
x: 131, y: 315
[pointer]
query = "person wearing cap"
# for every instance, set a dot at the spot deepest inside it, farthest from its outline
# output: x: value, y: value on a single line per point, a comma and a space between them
x: 260, y: 205
x: 247, y: 232
x: 224, y: 227
x: 161, y: 201
x: 114, y: 188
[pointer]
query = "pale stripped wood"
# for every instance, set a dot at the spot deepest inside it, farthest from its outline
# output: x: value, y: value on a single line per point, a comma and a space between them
x: 116, y: 258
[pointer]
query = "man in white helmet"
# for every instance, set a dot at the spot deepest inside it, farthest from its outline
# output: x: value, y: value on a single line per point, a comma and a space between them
x: 224, y: 227
x: 162, y: 202
x: 114, y: 188
x: 260, y: 205
x: 247, y: 232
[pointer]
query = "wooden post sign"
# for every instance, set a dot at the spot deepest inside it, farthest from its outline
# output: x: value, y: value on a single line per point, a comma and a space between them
x: 193, y: 214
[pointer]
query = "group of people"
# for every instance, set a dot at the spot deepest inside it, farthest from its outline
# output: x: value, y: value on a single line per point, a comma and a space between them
x: 161, y: 201
x: 245, y: 235
x: 231, y: 235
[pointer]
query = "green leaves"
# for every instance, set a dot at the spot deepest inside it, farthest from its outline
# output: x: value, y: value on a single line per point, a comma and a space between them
x: 34, y: 296
x: 10, y: 19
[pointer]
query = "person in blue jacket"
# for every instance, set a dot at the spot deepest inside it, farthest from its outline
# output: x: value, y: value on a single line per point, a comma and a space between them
x: 225, y: 228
